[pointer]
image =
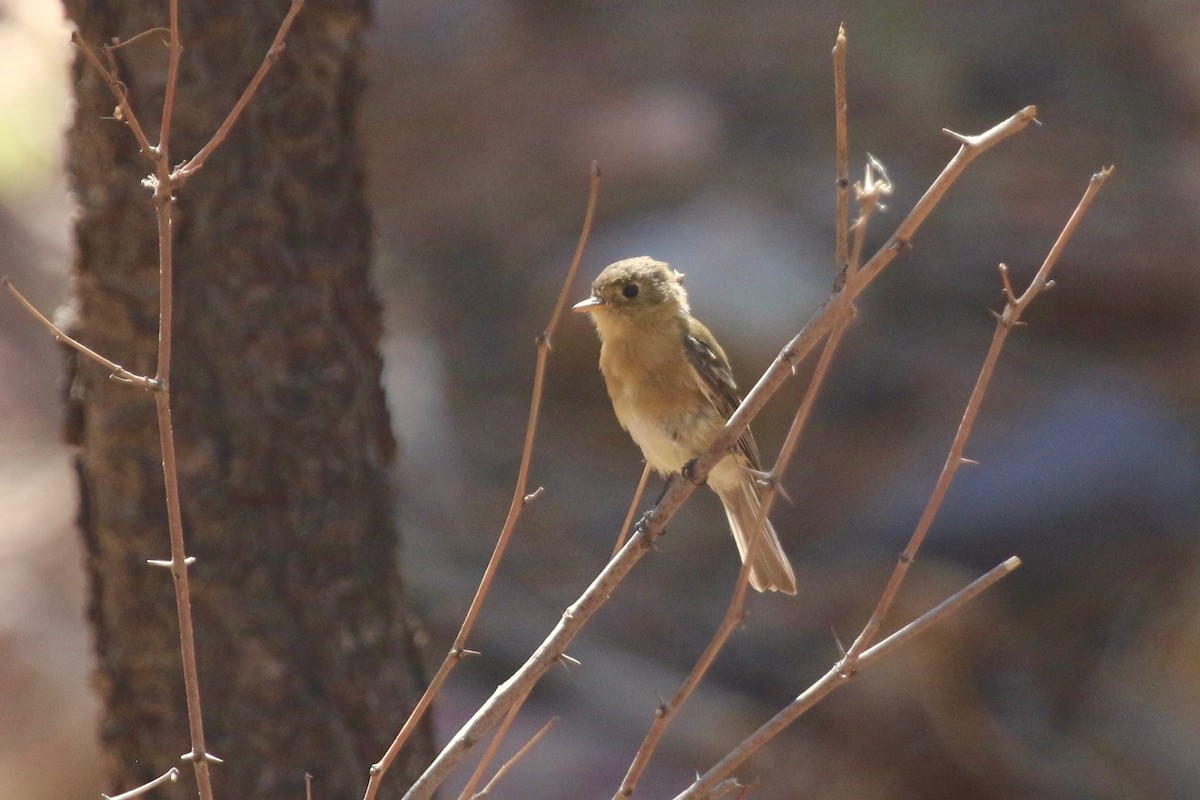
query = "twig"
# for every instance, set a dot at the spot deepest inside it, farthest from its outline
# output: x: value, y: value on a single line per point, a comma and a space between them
x: 308, y: 793
x: 468, y: 791
x: 117, y: 371
x: 193, y: 165
x: 500, y: 773
x: 954, y: 459
x: 705, y: 786
x: 868, y: 193
x: 170, y: 776
x: 822, y: 322
x: 633, y: 506
x: 734, y: 614
x: 514, y: 511
x: 117, y: 88
x: 841, y: 252
x: 678, y: 491
x: 175, y: 49
x: 163, y: 184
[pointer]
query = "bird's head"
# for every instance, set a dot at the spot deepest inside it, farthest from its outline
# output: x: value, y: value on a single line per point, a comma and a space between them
x: 635, y: 291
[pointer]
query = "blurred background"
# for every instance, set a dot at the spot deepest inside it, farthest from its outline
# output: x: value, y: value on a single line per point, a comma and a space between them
x: 1078, y: 677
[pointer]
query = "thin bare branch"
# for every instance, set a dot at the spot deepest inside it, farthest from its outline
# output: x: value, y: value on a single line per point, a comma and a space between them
x: 514, y: 511
x: 705, y: 787
x: 170, y: 776
x: 822, y: 322
x: 633, y: 506
x: 175, y: 49
x: 734, y: 614
x: 125, y: 111
x: 196, y: 162
x: 678, y: 491
x: 117, y: 371
x: 118, y: 44
x: 485, y: 760
x: 841, y: 251
x: 954, y: 459
x: 163, y: 184
x: 500, y: 773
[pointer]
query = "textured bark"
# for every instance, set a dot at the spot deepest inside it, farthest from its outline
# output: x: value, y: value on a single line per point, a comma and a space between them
x: 305, y: 645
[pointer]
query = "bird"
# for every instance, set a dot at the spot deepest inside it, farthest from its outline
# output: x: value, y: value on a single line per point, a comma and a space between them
x: 673, y: 390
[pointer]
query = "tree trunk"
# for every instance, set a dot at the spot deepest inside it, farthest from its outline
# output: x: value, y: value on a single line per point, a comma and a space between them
x: 305, y: 642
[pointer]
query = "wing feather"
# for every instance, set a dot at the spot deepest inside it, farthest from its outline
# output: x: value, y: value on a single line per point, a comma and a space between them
x: 713, y: 374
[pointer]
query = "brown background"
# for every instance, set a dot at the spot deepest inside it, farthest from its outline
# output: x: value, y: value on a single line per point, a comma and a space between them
x: 713, y: 124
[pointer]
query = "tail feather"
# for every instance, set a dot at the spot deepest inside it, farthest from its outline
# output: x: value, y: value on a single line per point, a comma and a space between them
x: 770, y: 569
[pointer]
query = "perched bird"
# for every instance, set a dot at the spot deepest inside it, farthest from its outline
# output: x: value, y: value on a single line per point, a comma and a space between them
x: 672, y: 389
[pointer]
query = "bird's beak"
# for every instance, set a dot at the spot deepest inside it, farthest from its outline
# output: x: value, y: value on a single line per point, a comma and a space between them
x: 587, y: 306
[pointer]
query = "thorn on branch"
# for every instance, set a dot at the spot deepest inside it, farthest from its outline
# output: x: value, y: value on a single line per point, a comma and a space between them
x: 168, y: 563
x: 965, y: 141
x: 459, y: 653
x: 209, y: 757
x: 534, y: 495
x: 968, y: 461
x: 566, y: 660
x: 838, y: 641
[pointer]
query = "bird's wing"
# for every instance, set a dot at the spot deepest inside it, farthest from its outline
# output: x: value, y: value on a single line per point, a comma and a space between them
x: 715, y: 378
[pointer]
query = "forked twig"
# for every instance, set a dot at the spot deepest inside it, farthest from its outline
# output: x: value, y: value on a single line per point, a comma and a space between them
x: 706, y: 786
x: 1005, y: 322
x: 196, y: 162
x: 163, y: 183
x: 125, y: 111
x: 485, y: 760
x: 457, y: 649
x: 525, y: 748
x: 861, y: 653
x: 678, y: 491
x: 868, y: 194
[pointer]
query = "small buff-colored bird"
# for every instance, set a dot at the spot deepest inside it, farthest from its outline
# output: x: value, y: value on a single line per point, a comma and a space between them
x: 672, y: 389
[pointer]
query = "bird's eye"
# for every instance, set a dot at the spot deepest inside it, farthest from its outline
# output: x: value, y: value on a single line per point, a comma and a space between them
x: 630, y: 290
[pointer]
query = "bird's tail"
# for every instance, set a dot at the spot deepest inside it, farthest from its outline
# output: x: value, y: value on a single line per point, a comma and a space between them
x: 770, y: 569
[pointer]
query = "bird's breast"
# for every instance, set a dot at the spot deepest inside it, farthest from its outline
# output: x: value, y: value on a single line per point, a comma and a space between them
x: 656, y: 398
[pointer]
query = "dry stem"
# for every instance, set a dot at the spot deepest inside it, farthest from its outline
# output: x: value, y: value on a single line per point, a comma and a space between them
x: 468, y: 791
x: 164, y: 184
x: 868, y: 195
x: 841, y: 254
x: 706, y: 786
x: 457, y: 649
x: 861, y: 653
x: 633, y: 506
x: 117, y: 372
x: 525, y: 748
x: 677, y: 491
x: 193, y: 165
x: 1005, y: 322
